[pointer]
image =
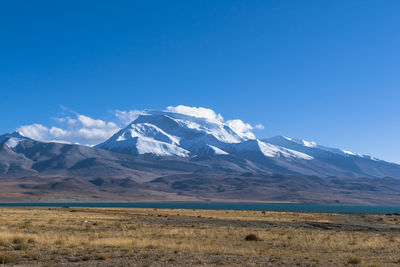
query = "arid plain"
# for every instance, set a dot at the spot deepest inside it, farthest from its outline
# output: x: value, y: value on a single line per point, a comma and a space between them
x: 175, y: 237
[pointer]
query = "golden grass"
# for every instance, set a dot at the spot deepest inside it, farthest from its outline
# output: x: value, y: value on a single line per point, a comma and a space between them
x: 178, y: 236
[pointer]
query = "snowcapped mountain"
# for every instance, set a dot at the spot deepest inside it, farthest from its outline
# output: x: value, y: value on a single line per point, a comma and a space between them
x: 165, y: 133
x: 172, y: 134
x: 189, y: 136
x: 195, y: 136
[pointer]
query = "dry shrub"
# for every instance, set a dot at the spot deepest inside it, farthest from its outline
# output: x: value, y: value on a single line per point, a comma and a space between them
x: 19, y: 243
x: 354, y: 260
x: 102, y: 256
x: 251, y: 237
x: 18, y: 240
x: 21, y: 247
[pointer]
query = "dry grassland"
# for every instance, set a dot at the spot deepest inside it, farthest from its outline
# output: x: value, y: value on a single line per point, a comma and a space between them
x: 166, y: 237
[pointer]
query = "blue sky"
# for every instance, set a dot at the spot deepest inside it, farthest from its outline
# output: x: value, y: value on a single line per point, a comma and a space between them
x: 326, y: 71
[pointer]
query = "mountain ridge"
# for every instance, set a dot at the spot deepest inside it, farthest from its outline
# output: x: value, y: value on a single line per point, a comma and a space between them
x: 166, y: 133
x: 172, y: 156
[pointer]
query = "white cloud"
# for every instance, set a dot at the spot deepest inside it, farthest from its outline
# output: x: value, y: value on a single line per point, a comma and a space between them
x: 71, y: 122
x: 35, y: 131
x: 91, y: 123
x: 127, y: 117
x: 197, y: 112
x: 82, y: 130
x: 242, y: 128
x: 58, y: 132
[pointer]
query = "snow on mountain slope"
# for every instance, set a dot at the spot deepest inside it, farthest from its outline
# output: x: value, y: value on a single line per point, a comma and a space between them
x: 218, y: 151
x: 301, y: 142
x: 270, y: 150
x: 191, y: 126
x: 312, y: 147
x: 146, y: 145
x: 12, y: 140
x: 144, y: 138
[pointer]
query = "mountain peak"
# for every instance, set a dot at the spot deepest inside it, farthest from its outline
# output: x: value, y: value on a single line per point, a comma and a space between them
x: 173, y: 134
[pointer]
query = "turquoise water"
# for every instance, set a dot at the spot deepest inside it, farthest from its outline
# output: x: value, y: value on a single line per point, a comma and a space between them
x: 224, y: 206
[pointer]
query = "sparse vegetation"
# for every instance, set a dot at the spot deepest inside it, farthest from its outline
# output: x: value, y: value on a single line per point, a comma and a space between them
x: 96, y: 236
x: 7, y: 258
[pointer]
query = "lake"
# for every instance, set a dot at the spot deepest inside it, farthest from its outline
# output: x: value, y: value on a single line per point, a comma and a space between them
x: 224, y: 206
